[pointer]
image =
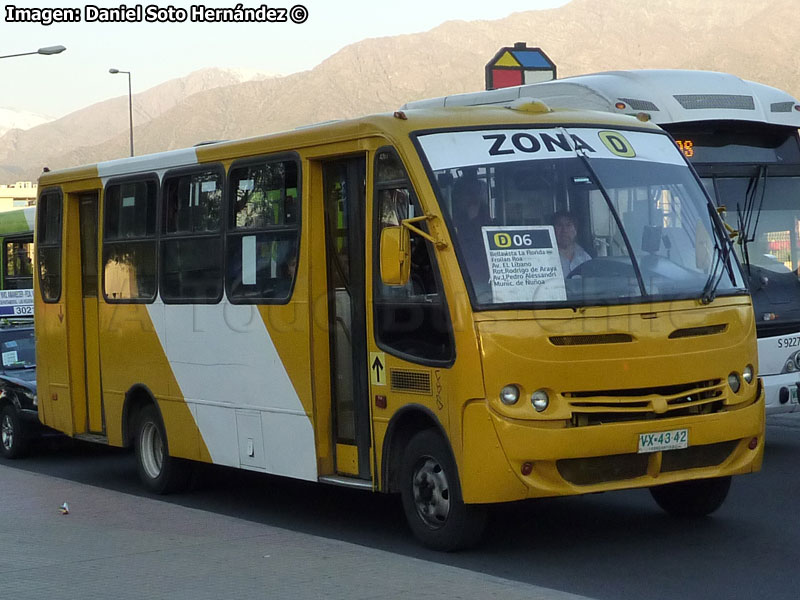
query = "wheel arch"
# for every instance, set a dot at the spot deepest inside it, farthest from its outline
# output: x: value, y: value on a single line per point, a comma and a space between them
x: 136, y: 398
x: 405, y: 423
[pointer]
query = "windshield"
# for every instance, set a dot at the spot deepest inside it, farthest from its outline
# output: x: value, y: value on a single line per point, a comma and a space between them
x: 578, y: 216
x: 773, y: 241
x: 17, y: 348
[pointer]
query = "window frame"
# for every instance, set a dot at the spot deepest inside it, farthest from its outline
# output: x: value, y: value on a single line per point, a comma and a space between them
x: 140, y: 178
x: 16, y: 238
x: 57, y: 192
x: 163, y: 237
x: 233, y: 233
x: 376, y: 277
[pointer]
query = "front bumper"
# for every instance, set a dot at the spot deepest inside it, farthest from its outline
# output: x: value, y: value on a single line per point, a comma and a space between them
x: 581, y: 460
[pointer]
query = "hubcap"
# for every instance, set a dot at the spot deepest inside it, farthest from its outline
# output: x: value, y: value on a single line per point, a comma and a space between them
x: 152, y: 450
x: 7, y: 432
x: 431, y: 492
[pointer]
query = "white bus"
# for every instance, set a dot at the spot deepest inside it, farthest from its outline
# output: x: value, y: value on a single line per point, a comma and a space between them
x: 742, y: 139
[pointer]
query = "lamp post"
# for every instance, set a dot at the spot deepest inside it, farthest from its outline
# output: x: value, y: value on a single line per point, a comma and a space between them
x: 47, y: 51
x: 130, y: 100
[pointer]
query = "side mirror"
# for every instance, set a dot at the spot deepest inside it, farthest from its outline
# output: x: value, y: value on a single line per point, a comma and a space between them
x: 395, y: 256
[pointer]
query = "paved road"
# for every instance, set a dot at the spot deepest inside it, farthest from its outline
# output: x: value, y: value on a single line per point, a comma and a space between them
x: 611, y: 546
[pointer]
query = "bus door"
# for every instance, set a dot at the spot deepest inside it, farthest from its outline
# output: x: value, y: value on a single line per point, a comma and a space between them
x: 89, y: 287
x: 344, y: 184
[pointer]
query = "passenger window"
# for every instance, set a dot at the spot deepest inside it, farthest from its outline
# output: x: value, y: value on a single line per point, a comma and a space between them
x: 129, y: 241
x: 18, y: 260
x: 191, y: 244
x: 263, y: 231
x: 49, y: 245
x: 410, y: 320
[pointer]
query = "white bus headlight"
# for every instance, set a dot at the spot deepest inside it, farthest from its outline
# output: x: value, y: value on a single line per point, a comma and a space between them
x: 748, y: 374
x: 540, y: 400
x: 734, y: 382
x: 509, y: 395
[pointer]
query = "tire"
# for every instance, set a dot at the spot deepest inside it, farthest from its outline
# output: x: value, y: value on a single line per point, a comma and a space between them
x: 14, y: 442
x: 159, y: 472
x: 431, y: 495
x: 692, y: 499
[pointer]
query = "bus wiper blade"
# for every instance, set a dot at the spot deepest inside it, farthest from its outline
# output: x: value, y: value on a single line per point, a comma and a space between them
x: 720, y: 263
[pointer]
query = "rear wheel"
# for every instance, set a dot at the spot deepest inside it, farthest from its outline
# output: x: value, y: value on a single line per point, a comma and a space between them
x: 13, y: 438
x: 696, y: 498
x: 160, y: 472
x: 432, y: 498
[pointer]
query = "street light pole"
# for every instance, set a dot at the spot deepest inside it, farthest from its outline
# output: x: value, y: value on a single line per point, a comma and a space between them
x: 130, y: 101
x: 47, y: 51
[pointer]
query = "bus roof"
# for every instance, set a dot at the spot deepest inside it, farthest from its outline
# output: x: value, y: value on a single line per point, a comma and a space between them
x: 387, y: 125
x: 667, y: 95
x: 17, y: 221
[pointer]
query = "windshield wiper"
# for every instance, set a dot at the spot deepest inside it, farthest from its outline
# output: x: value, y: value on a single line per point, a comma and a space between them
x: 721, y: 262
x: 747, y: 228
x: 612, y: 209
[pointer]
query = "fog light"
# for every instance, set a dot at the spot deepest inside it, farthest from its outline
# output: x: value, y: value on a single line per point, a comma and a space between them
x: 509, y: 395
x: 748, y: 374
x: 527, y: 468
x: 540, y: 400
x: 734, y: 382
x: 753, y: 444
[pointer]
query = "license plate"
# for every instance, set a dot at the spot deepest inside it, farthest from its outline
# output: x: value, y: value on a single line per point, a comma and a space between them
x: 793, y: 394
x: 664, y: 440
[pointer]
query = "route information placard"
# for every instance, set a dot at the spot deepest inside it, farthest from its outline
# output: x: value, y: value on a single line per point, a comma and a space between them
x: 524, y: 264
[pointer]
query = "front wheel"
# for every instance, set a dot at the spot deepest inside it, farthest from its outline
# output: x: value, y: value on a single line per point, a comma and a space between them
x: 160, y: 472
x: 692, y: 499
x: 432, y: 499
x: 13, y: 438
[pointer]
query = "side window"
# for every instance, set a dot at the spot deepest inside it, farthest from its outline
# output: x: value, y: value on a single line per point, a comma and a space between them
x: 191, y: 241
x: 263, y: 231
x: 129, y: 241
x: 48, y: 216
x: 18, y: 262
x: 411, y: 320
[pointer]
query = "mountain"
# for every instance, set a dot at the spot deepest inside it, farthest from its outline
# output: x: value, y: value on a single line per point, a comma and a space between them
x: 23, y: 153
x: 745, y: 38
x: 12, y: 118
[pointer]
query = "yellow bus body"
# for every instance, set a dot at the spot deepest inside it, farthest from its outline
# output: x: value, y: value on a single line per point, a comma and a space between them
x: 217, y: 394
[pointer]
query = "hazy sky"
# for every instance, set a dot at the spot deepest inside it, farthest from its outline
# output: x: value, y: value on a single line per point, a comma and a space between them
x: 157, y: 52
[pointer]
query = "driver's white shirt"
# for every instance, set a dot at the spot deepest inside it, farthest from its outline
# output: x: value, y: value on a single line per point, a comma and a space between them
x: 579, y: 257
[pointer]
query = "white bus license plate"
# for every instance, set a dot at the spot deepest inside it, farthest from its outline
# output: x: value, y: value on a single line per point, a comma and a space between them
x: 664, y: 440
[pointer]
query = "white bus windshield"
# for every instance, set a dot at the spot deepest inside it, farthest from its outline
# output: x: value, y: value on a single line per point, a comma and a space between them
x: 577, y: 216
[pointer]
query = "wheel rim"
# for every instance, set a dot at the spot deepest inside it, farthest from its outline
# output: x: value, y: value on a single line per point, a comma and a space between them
x: 152, y: 450
x: 7, y: 432
x: 431, y: 492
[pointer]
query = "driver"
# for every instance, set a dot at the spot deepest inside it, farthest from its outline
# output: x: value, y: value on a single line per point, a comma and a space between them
x: 571, y: 253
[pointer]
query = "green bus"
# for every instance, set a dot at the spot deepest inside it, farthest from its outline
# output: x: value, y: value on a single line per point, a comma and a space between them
x: 16, y: 241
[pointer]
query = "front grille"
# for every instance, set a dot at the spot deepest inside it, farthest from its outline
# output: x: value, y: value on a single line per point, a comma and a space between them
x: 581, y: 340
x: 620, y: 467
x: 637, y: 404
x: 639, y: 104
x: 781, y: 107
x: 695, y: 457
x: 715, y: 101
x: 697, y: 331
x: 599, y: 469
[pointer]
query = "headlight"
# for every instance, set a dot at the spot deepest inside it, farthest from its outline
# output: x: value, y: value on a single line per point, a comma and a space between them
x: 734, y: 382
x: 509, y: 395
x: 540, y: 400
x: 748, y: 374
x: 790, y: 367
x: 796, y: 360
